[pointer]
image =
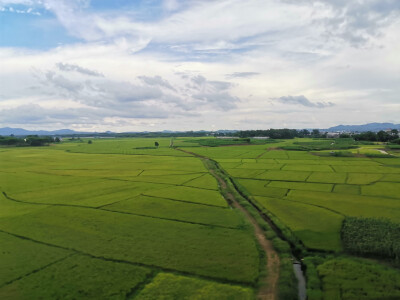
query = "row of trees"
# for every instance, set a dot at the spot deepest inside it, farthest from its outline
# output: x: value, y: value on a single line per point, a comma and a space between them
x: 30, y: 140
x: 381, y: 136
x: 280, y: 133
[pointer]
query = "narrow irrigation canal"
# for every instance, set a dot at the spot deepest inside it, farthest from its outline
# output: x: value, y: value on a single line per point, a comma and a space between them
x: 269, y: 284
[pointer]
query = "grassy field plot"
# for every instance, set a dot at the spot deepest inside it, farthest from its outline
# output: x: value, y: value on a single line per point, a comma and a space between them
x: 206, y: 181
x: 327, y: 177
x: 363, y: 178
x: 347, y: 189
x: 78, y: 277
x: 174, y: 210
x: 385, y: 189
x: 284, y: 175
x: 169, y: 286
x: 244, y: 173
x: 306, y: 167
x: 305, y: 186
x: 20, y: 257
x: 260, y: 188
x: 189, y: 194
x: 366, y: 169
x: 97, y: 193
x: 260, y: 166
x: 317, y: 228
x: 356, y: 279
x: 220, y: 252
x: 351, y: 205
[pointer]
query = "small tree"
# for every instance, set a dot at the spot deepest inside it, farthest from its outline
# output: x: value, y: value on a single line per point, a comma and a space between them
x: 89, y: 142
x: 156, y: 144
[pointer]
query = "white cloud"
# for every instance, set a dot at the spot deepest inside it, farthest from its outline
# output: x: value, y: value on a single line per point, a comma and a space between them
x: 210, y: 62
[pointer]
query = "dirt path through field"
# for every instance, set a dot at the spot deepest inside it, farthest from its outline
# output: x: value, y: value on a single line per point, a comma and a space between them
x: 269, y: 288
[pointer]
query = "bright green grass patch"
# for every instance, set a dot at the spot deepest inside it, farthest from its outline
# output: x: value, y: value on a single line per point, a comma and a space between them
x: 78, y: 277
x: 229, y: 160
x: 97, y: 193
x: 260, y: 166
x: 386, y: 189
x: 209, y: 251
x: 321, y: 187
x: 306, y: 167
x: 163, y: 179
x: 244, y: 173
x: 363, y: 178
x: 206, y: 181
x: 195, y: 195
x: 168, y: 172
x: 316, y: 227
x: 11, y: 208
x: 356, y: 279
x: 19, y: 257
x: 170, y: 287
x: 351, y: 205
x: 27, y: 181
x: 284, y: 175
x: 164, y: 208
x: 347, y: 189
x: 327, y: 177
x: 366, y: 169
x: 275, y: 154
x: 259, y: 188
x: 230, y: 165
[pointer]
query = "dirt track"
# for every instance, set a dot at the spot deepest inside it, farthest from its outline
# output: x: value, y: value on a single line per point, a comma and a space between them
x: 269, y: 287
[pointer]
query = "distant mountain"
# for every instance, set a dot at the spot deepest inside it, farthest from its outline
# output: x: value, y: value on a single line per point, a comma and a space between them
x: 366, y: 127
x: 20, y: 131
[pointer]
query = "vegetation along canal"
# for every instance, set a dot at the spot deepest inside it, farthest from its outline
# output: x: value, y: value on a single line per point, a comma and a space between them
x: 269, y: 284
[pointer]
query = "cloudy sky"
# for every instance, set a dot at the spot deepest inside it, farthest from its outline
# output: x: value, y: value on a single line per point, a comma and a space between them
x: 198, y: 64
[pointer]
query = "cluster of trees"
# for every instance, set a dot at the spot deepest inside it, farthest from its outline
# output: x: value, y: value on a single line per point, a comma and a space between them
x: 381, y: 136
x: 371, y: 237
x: 30, y: 140
x: 280, y: 133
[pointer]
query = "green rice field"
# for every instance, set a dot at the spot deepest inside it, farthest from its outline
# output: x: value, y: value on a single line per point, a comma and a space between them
x: 122, y: 219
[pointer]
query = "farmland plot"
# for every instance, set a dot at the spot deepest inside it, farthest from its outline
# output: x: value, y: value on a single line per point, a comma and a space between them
x: 101, y: 222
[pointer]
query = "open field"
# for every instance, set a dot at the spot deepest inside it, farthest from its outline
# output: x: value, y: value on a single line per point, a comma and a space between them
x: 152, y: 222
x: 310, y: 193
x: 124, y: 216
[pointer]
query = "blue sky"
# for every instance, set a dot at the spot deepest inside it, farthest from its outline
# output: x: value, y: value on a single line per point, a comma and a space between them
x: 211, y: 64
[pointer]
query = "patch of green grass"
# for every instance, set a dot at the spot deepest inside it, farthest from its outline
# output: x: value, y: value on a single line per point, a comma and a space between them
x: 351, y: 205
x: 244, y: 173
x: 169, y: 286
x: 215, y: 252
x: 19, y: 257
x: 207, y: 181
x: 305, y: 186
x: 189, y: 194
x: 307, y: 167
x: 327, y: 177
x: 363, y: 178
x: 259, y: 188
x: 260, y: 166
x: 164, y: 208
x: 356, y: 279
x: 284, y: 175
x: 347, y: 189
x: 316, y: 227
x: 385, y: 189
x: 78, y: 277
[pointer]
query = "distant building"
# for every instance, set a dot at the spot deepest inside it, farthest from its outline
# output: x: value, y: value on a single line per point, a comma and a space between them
x: 332, y: 134
x: 261, y: 137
